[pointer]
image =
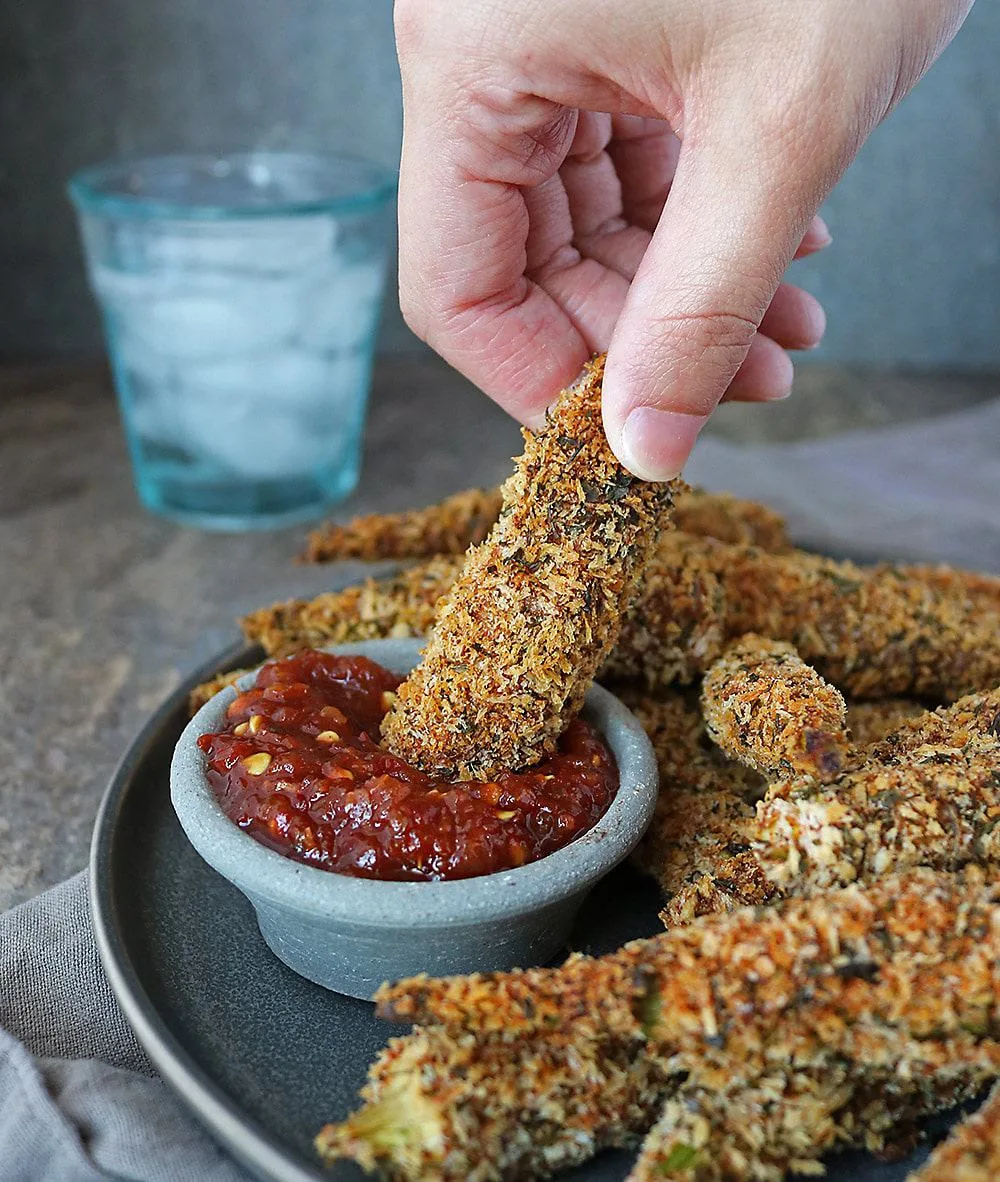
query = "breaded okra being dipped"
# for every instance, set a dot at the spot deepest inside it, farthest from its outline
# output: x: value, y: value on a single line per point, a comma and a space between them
x: 522, y: 1073
x: 538, y: 606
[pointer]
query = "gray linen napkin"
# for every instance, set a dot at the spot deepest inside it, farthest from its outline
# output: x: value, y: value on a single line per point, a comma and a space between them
x: 79, y: 1100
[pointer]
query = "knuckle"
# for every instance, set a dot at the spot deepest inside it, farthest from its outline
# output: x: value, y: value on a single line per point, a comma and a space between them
x: 412, y: 20
x: 712, y: 331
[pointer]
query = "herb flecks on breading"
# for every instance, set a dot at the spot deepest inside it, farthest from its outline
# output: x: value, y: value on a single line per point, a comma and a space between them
x: 764, y: 706
x: 538, y: 606
x: 531, y: 1071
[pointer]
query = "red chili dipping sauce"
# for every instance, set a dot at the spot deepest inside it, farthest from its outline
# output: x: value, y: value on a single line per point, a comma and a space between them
x: 299, y: 767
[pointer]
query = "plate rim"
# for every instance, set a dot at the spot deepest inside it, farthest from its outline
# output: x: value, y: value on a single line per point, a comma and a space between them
x: 207, y: 1102
x: 225, y: 1121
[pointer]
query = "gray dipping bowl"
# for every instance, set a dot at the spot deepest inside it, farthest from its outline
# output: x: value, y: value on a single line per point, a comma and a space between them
x: 351, y: 934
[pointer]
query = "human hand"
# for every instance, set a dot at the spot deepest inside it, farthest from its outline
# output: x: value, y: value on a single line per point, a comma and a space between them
x: 548, y: 210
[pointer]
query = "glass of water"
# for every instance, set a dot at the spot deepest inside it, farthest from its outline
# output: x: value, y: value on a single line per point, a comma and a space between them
x: 241, y: 297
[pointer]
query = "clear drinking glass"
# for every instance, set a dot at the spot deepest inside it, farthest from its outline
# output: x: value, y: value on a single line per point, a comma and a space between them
x: 241, y: 298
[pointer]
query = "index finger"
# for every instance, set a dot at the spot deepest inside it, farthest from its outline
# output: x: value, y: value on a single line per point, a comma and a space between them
x: 463, y: 229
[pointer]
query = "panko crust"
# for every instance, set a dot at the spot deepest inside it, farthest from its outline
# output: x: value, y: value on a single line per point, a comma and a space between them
x: 872, y: 632
x: 764, y: 706
x: 465, y: 519
x: 538, y: 606
x: 521, y: 1073
x: 971, y: 1152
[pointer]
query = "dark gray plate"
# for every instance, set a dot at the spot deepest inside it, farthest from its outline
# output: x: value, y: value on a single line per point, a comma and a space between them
x: 263, y: 1057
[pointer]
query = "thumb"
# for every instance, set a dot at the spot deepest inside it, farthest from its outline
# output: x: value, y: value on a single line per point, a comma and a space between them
x: 729, y: 228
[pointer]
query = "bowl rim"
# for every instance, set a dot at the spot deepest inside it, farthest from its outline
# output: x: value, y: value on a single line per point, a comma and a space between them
x: 265, y: 875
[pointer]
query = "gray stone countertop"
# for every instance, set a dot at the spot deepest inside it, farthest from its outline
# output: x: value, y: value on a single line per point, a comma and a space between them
x: 105, y: 608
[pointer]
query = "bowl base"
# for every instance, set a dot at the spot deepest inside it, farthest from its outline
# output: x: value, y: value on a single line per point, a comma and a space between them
x: 355, y: 961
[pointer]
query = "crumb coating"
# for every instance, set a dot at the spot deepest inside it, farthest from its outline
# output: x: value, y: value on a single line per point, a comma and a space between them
x: 971, y: 1152
x: 538, y: 606
x: 897, y: 979
x: 871, y: 632
x: 764, y: 706
x: 929, y: 794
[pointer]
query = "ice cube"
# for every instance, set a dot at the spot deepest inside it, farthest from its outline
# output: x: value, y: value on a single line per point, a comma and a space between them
x: 147, y: 386
x: 275, y: 245
x: 218, y: 317
x: 340, y: 309
x: 263, y: 417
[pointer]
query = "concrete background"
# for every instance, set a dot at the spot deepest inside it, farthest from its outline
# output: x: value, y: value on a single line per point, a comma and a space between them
x: 913, y: 280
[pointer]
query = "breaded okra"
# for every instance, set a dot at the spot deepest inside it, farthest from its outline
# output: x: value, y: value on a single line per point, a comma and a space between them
x: 525, y: 1072
x: 929, y: 795
x: 982, y: 589
x: 727, y: 978
x: 871, y: 632
x: 794, y: 1117
x: 869, y: 722
x: 402, y: 605
x: 446, y: 1107
x: 971, y: 1152
x: 764, y: 706
x: 464, y: 520
x: 948, y: 726
x: 698, y: 844
x: 449, y: 527
x: 538, y: 606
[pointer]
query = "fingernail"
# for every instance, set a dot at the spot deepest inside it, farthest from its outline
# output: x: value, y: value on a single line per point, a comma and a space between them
x: 821, y: 233
x: 814, y: 329
x: 655, y: 444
